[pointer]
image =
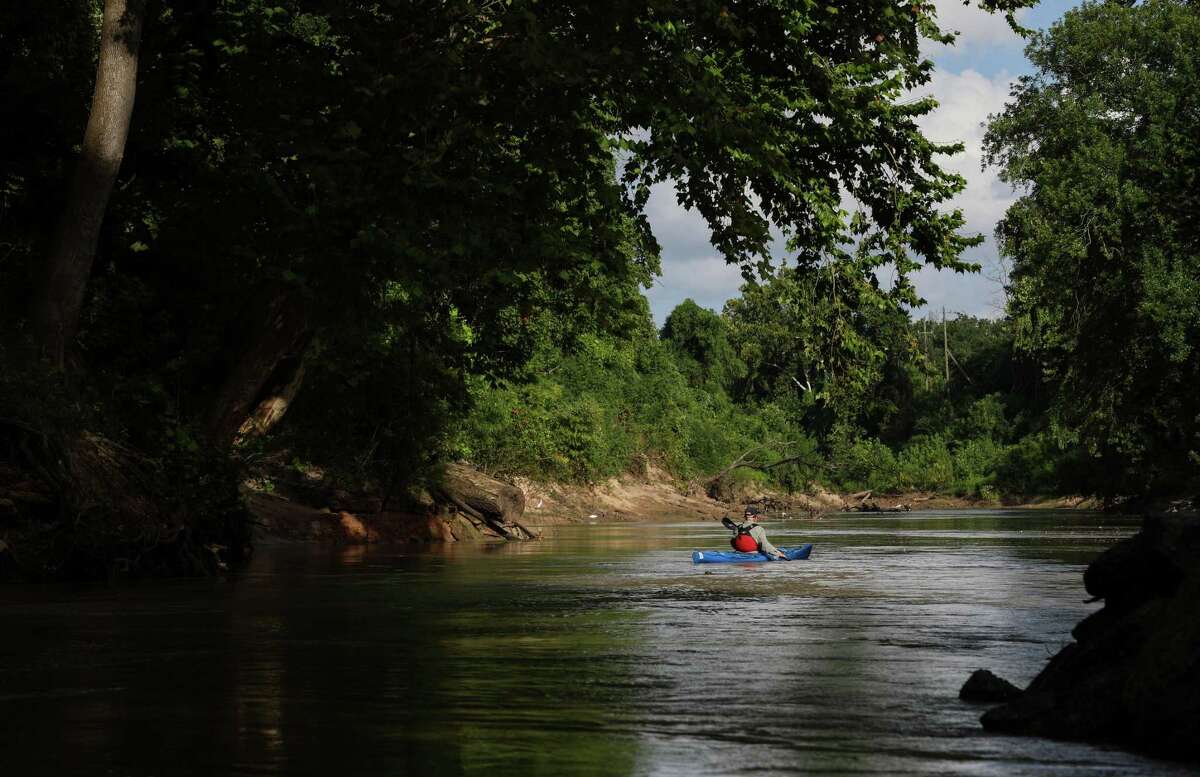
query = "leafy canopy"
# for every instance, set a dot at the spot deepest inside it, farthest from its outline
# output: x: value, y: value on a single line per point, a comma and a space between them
x: 1105, y: 288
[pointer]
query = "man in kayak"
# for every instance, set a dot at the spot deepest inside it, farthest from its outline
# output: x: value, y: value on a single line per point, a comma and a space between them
x: 752, y: 538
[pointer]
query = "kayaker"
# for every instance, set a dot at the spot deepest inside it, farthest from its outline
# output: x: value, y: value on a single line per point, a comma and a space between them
x: 751, y: 537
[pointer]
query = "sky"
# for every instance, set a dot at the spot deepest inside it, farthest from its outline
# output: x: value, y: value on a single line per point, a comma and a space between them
x: 971, y: 80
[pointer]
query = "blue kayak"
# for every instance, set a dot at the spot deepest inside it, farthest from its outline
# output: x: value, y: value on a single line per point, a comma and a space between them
x: 729, y: 556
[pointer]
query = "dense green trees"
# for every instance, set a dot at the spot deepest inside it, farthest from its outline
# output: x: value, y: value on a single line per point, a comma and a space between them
x: 823, y: 338
x: 614, y: 404
x: 411, y: 231
x: 699, y: 340
x: 398, y: 177
x: 608, y: 404
x: 1105, y: 289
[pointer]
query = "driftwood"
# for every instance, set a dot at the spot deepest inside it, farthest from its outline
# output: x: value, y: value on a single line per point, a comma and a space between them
x: 490, y: 504
x: 864, y: 506
x: 875, y: 507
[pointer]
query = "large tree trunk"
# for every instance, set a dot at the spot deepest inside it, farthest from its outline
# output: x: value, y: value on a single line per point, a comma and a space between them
x: 489, y: 503
x: 58, y: 302
x: 275, y: 399
x: 268, y: 372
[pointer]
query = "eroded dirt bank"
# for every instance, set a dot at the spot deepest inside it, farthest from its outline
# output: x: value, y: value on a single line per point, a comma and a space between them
x: 312, y: 514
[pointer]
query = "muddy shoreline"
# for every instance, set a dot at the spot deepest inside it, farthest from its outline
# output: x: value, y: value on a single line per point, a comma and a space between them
x: 287, y: 516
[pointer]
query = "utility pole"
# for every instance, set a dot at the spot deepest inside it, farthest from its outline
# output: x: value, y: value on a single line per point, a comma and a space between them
x: 946, y: 348
x: 925, y: 335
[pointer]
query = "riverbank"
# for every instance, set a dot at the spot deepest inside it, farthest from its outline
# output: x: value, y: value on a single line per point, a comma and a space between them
x: 292, y: 514
x: 201, y: 526
x: 299, y: 512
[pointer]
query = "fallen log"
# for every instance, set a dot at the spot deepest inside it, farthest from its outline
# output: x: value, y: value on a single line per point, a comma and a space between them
x: 488, y: 503
x: 874, y: 507
x: 745, y: 461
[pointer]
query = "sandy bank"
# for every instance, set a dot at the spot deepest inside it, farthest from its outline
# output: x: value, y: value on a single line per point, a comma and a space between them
x: 284, y: 515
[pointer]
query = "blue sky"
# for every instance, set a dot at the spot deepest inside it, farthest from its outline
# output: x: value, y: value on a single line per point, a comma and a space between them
x: 971, y: 80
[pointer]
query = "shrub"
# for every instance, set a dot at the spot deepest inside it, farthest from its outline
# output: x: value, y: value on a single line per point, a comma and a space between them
x: 926, y: 464
x: 1031, y: 466
x: 865, y: 464
x: 984, y: 418
x: 975, y: 465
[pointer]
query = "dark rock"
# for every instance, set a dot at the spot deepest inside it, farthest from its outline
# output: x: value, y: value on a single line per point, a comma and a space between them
x: 1133, y: 676
x: 984, y: 686
x: 1133, y: 571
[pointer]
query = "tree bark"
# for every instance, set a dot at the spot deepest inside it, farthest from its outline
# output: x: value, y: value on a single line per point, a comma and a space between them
x: 498, y: 505
x: 281, y: 389
x: 59, y: 300
x: 279, y: 335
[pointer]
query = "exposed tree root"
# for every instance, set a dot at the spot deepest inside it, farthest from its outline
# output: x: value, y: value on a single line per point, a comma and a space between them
x: 85, y: 506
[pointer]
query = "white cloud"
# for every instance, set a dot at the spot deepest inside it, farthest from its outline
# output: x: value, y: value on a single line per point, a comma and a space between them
x: 681, y: 232
x: 708, y: 280
x: 691, y: 267
x: 975, y: 28
x: 965, y: 100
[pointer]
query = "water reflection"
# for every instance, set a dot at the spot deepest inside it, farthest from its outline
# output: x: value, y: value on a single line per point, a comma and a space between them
x: 600, y: 650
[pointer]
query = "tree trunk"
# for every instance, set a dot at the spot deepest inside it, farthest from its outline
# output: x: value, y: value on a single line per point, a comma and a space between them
x: 498, y: 505
x: 59, y: 300
x: 281, y: 389
x: 275, y: 341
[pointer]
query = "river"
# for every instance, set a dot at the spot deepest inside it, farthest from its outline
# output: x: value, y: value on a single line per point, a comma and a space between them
x: 600, y: 650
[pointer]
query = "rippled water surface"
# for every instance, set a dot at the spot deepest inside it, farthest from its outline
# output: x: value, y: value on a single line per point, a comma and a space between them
x: 600, y: 650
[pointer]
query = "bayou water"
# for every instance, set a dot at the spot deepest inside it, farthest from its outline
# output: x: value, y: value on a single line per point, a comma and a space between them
x: 601, y: 650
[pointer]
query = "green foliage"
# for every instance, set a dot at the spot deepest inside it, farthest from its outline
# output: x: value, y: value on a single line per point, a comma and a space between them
x: 439, y: 184
x: 1032, y: 466
x: 984, y: 419
x: 609, y: 403
x: 976, y: 462
x: 538, y: 430
x: 865, y: 464
x: 824, y: 337
x: 699, y: 339
x: 1105, y: 290
x: 925, y: 464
